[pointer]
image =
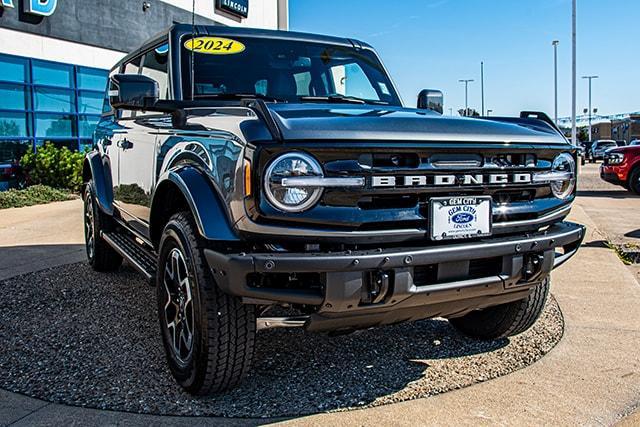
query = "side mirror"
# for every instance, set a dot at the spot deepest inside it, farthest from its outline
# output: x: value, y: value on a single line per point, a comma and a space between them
x: 132, y: 91
x: 430, y: 99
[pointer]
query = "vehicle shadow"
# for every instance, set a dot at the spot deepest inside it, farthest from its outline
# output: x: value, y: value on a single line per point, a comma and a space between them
x: 112, y: 347
x: 15, y: 260
x: 606, y: 193
x: 596, y: 244
x: 634, y: 233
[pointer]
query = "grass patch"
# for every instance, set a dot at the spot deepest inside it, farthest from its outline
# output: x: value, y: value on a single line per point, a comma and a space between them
x: 34, y: 195
x: 626, y: 253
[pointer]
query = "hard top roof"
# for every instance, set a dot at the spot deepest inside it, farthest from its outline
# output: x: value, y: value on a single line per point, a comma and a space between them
x: 221, y: 30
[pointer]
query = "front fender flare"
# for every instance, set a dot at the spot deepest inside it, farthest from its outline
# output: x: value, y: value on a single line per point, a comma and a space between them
x: 204, y: 202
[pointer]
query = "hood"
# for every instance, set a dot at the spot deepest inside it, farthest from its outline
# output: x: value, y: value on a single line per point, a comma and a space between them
x: 369, y: 122
x: 626, y: 149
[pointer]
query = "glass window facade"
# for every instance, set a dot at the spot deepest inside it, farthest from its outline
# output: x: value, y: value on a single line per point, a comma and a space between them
x: 43, y: 101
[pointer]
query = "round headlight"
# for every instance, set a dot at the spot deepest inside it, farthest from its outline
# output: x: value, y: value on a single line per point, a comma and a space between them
x: 291, y: 198
x: 563, y: 188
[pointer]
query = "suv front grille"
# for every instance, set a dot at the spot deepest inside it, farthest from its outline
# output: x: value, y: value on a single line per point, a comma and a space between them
x: 413, y: 168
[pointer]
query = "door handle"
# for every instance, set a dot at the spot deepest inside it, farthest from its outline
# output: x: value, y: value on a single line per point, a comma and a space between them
x: 125, y: 144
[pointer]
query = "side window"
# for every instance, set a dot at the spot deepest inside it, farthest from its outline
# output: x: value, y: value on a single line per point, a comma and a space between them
x: 132, y: 67
x: 155, y: 66
x: 106, y: 106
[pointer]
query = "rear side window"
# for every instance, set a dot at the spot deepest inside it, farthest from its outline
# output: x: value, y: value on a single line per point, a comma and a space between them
x: 155, y: 66
x: 133, y: 67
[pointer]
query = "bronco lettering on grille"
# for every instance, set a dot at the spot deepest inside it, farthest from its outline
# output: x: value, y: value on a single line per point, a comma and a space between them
x: 440, y: 180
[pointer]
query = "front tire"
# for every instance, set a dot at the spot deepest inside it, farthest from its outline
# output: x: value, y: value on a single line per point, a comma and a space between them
x: 634, y: 181
x: 208, y: 335
x: 504, y: 320
x: 100, y: 255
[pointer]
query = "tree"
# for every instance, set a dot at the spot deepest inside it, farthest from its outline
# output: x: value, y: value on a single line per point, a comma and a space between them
x: 9, y: 128
x: 469, y: 112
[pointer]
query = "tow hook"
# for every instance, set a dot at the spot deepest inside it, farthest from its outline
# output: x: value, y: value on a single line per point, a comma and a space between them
x: 376, y: 287
x: 532, y: 266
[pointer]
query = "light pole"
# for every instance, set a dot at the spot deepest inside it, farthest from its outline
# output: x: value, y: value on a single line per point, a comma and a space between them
x: 450, y: 111
x: 466, y: 94
x: 555, y: 78
x: 574, y: 133
x: 589, y: 78
x: 482, y: 84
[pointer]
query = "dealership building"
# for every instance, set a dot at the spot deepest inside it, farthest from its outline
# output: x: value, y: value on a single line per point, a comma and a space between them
x: 55, y: 56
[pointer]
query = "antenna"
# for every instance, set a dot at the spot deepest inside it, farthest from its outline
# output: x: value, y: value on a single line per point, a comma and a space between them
x: 193, y: 31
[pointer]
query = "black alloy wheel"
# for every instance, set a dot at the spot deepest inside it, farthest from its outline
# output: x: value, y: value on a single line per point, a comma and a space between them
x: 100, y: 255
x: 178, y: 306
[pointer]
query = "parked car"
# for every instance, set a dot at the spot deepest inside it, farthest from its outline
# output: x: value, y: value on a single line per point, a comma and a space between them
x: 599, y: 147
x: 635, y: 142
x: 621, y: 166
x: 265, y: 170
x: 582, y: 154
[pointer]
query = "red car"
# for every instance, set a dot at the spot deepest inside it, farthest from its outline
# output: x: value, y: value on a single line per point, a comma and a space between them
x: 622, y: 167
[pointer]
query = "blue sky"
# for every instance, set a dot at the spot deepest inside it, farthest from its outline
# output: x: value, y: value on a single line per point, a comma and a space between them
x: 434, y: 43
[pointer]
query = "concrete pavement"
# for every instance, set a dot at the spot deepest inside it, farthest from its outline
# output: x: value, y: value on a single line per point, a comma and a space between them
x: 591, y: 377
x: 39, y: 237
x: 614, y: 209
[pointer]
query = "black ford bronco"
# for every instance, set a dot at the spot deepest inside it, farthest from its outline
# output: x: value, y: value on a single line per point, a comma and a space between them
x: 263, y: 179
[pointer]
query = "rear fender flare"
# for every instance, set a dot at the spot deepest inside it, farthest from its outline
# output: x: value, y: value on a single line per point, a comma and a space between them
x: 95, y: 169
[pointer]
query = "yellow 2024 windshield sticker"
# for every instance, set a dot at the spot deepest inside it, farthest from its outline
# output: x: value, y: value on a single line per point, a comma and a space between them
x: 214, y: 45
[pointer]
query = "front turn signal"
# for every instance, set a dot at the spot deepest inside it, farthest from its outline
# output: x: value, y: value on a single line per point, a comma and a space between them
x: 247, y: 178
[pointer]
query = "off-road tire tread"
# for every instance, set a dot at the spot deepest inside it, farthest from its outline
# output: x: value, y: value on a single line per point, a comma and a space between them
x: 105, y: 258
x: 231, y: 335
x: 504, y: 320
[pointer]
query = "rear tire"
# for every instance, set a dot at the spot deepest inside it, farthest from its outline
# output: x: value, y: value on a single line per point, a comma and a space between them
x: 100, y: 255
x: 504, y: 320
x: 634, y: 181
x: 208, y: 335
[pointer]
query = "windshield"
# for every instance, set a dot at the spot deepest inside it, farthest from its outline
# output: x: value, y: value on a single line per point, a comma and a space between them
x: 289, y: 71
x: 607, y: 144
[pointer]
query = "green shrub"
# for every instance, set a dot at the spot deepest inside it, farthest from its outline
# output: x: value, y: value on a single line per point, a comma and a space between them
x: 53, y: 166
x: 34, y: 195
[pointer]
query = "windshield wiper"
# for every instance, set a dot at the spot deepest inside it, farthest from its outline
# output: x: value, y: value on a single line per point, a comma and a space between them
x: 342, y: 99
x: 241, y: 96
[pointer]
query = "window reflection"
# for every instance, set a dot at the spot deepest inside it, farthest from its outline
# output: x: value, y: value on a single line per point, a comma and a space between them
x: 39, y: 101
x: 52, y: 74
x: 54, y: 125
x: 13, y: 124
x: 13, y: 97
x: 11, y: 150
x: 54, y: 100
x: 14, y: 69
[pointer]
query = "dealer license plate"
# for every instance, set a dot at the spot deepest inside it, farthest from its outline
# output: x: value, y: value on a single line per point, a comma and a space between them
x: 460, y: 217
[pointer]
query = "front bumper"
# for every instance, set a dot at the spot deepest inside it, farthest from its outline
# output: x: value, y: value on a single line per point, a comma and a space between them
x: 613, y: 174
x: 439, y: 280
